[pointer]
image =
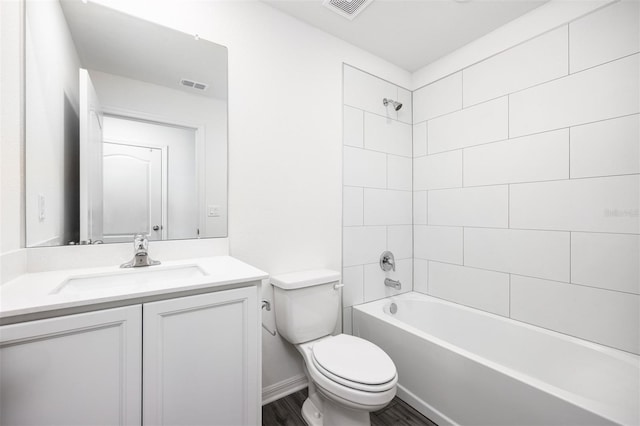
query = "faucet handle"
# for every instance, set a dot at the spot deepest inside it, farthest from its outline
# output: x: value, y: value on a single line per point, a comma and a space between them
x: 140, y: 242
x: 387, y: 261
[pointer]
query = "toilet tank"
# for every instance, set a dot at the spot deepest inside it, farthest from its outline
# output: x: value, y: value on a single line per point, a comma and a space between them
x: 307, y: 304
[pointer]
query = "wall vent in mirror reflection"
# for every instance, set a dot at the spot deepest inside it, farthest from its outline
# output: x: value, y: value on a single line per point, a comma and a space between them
x: 125, y: 132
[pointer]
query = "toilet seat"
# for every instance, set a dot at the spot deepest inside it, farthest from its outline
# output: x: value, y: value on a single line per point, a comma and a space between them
x: 349, y: 393
x: 355, y: 363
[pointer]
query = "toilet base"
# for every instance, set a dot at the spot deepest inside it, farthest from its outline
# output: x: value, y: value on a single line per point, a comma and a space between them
x: 311, y: 414
x: 333, y: 415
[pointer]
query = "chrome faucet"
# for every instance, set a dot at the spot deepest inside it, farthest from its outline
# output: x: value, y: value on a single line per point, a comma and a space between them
x: 141, y: 253
x: 392, y: 283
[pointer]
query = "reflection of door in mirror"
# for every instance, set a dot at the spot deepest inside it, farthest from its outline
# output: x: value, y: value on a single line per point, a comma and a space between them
x: 91, y: 128
x: 133, y: 201
x: 150, y: 182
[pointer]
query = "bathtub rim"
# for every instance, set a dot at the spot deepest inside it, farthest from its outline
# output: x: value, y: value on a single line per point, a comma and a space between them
x: 606, y: 411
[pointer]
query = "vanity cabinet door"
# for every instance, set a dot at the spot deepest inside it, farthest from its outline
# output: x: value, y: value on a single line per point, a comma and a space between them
x: 201, y: 360
x: 82, y: 369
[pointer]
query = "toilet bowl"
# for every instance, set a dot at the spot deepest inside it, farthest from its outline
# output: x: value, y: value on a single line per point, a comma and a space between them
x: 348, y: 376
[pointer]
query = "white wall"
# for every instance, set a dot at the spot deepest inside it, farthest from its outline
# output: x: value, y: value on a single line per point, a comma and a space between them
x: 285, y: 133
x: 377, y: 191
x: 527, y: 171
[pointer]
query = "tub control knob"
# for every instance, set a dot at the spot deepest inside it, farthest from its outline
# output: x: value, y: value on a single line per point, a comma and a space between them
x: 387, y: 261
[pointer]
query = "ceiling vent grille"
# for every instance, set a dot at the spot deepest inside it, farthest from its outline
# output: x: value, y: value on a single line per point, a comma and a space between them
x: 347, y: 8
x: 194, y: 84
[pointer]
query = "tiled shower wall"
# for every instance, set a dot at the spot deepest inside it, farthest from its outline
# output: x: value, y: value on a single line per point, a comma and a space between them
x: 527, y: 184
x: 377, y: 179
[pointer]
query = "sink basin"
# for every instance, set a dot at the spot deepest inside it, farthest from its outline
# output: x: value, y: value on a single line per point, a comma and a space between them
x: 133, y: 278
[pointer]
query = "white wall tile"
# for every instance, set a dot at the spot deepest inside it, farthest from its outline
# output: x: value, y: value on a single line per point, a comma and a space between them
x: 406, y: 112
x: 486, y: 290
x: 353, y: 127
x: 609, y: 261
x: 544, y: 156
x: 374, y: 276
x: 607, y: 91
x: 607, y: 34
x: 362, y: 244
x: 485, y: 206
x: 536, y: 61
x: 386, y: 135
x: 420, y: 207
x: 610, y: 147
x: 607, y: 204
x: 438, y: 171
x: 606, y: 317
x: 352, y: 206
x: 441, y: 243
x: 399, y: 172
x: 420, y: 275
x: 543, y: 254
x: 364, y: 168
x: 353, y: 290
x: 420, y: 139
x: 387, y: 207
x: 438, y: 98
x: 400, y: 241
x: 486, y: 122
x: 364, y: 91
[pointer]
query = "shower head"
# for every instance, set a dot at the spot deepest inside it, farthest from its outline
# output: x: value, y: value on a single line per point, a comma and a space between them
x: 396, y: 105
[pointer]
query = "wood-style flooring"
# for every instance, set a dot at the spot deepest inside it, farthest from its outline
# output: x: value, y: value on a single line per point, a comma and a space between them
x: 286, y: 412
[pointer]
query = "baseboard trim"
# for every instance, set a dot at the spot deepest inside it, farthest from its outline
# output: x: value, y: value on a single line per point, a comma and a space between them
x: 281, y: 389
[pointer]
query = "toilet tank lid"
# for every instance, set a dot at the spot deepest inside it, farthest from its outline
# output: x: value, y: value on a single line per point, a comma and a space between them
x: 301, y: 279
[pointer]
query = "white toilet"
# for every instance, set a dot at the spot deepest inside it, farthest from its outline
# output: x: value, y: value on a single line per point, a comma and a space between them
x: 348, y: 376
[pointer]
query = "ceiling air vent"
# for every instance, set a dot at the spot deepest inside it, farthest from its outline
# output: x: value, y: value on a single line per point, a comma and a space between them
x: 193, y: 84
x: 347, y: 8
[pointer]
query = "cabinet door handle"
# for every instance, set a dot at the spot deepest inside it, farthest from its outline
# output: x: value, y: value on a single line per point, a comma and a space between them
x: 156, y: 227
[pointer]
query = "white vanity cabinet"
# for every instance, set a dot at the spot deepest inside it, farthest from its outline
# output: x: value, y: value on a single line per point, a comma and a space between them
x: 192, y: 360
x: 79, y: 369
x: 201, y: 360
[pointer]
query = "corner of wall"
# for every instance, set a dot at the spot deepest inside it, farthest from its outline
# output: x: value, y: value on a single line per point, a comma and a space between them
x: 540, y: 20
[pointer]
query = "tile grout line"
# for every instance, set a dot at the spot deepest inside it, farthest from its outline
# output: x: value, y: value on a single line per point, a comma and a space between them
x: 532, y: 182
x: 527, y: 134
x: 531, y: 229
x: 413, y: 210
x: 534, y: 277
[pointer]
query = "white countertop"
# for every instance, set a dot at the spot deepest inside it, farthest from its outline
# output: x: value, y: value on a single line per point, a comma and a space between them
x: 33, y: 293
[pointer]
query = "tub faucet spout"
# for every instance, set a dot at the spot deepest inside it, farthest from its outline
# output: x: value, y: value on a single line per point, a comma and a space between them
x: 392, y: 283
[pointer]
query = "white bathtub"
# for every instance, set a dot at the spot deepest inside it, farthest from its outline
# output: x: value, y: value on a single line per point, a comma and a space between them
x: 459, y: 365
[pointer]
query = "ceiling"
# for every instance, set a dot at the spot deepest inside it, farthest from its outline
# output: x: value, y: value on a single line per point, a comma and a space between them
x: 411, y: 33
x: 144, y: 51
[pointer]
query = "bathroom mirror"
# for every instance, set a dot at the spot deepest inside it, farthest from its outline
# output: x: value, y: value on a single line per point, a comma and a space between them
x: 125, y: 128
